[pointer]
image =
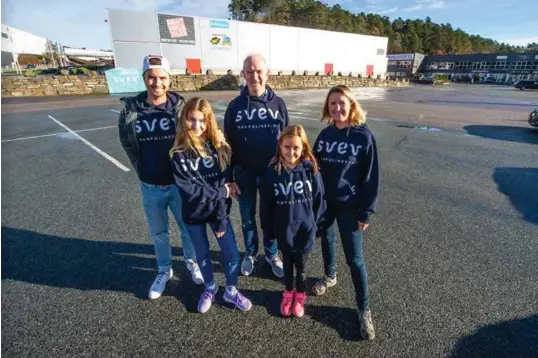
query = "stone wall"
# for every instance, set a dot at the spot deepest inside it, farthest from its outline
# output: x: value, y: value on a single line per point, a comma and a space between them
x: 53, y: 85
x: 79, y: 85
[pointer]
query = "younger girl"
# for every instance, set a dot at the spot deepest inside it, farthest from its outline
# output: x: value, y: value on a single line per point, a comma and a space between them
x: 200, y: 164
x: 292, y: 206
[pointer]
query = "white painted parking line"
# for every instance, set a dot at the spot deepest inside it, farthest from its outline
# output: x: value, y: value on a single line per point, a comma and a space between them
x: 115, y: 111
x: 114, y: 161
x: 55, y: 134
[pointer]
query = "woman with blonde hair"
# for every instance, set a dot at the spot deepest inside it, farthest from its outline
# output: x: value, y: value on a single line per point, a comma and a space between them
x: 347, y: 156
x: 201, y: 168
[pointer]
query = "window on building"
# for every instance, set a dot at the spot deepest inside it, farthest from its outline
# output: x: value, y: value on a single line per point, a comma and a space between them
x: 391, y: 63
x: 431, y: 65
x: 484, y: 65
x: 4, y: 35
x: 404, y: 64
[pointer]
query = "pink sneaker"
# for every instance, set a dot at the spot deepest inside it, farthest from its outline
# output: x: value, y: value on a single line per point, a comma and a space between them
x: 298, y: 305
x: 285, y: 306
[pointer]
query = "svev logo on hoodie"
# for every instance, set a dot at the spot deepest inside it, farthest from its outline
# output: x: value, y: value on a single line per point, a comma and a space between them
x: 149, y: 126
x: 297, y: 186
x: 194, y: 164
x: 259, y: 113
x: 340, y: 147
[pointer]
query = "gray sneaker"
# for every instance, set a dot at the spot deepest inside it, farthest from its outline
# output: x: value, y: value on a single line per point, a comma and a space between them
x: 367, y: 326
x: 276, y: 265
x: 247, y: 266
x: 321, y: 286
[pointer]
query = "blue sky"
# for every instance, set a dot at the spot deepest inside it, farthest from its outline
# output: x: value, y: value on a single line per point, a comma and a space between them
x: 81, y: 23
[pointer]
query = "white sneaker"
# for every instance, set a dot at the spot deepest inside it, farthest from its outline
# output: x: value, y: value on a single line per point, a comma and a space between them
x: 159, y: 284
x: 247, y: 266
x: 366, y: 325
x: 196, y: 274
x: 276, y: 265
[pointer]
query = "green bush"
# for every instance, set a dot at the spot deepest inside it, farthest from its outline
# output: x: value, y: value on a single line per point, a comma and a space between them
x: 441, y: 77
x: 30, y: 73
x: 73, y: 71
x: 83, y: 70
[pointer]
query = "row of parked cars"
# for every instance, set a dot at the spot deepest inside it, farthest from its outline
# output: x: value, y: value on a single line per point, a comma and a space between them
x: 526, y: 84
x: 520, y: 84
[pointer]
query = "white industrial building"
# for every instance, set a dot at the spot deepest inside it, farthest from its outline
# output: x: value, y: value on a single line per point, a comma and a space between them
x: 16, y: 42
x: 200, y: 44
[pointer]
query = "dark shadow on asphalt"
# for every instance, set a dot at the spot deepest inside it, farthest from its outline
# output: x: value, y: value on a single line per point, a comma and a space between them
x: 268, y: 299
x: 55, y: 261
x: 521, y: 186
x: 341, y: 319
x: 509, y: 133
x: 516, y: 338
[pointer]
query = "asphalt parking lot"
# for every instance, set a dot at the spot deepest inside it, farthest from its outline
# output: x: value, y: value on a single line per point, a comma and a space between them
x: 451, y: 253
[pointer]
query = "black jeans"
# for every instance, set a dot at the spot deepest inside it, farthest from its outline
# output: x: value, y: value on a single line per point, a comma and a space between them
x: 297, y: 260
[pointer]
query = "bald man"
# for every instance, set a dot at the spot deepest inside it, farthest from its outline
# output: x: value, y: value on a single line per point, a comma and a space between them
x: 252, y: 125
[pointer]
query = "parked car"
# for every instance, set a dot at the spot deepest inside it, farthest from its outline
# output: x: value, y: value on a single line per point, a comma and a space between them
x: 533, y: 118
x: 31, y: 65
x: 526, y: 84
x: 490, y: 80
x: 464, y: 79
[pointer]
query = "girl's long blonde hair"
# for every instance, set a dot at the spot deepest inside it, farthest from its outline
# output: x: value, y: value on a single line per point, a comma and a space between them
x: 357, y: 115
x: 292, y: 131
x: 186, y: 141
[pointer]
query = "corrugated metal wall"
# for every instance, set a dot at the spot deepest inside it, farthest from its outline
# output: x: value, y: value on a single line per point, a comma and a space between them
x: 221, y: 45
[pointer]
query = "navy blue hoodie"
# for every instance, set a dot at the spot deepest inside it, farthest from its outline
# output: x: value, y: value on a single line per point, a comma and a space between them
x: 349, y: 167
x: 292, y: 206
x: 155, y: 129
x: 201, y: 186
x: 252, y: 126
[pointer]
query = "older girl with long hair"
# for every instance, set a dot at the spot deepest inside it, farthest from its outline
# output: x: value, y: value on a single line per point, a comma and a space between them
x: 347, y: 156
x: 201, y: 168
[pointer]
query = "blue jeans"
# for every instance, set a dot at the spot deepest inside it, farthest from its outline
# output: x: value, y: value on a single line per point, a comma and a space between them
x: 347, y: 218
x: 249, y: 185
x: 157, y: 199
x: 228, y: 247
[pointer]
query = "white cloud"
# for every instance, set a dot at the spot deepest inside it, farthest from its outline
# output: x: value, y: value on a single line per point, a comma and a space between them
x: 440, y: 4
x: 387, y: 11
x: 413, y: 8
x: 426, y: 4
x: 517, y: 40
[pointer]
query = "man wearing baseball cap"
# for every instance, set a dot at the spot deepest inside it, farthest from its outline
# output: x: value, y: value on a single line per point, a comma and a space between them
x: 147, y: 126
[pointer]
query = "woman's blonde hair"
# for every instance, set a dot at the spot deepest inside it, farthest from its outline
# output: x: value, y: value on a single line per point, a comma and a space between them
x: 306, y: 154
x: 187, y: 141
x: 357, y: 115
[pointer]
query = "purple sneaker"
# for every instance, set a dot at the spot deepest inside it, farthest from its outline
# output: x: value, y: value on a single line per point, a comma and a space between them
x: 238, y: 300
x: 206, y: 299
